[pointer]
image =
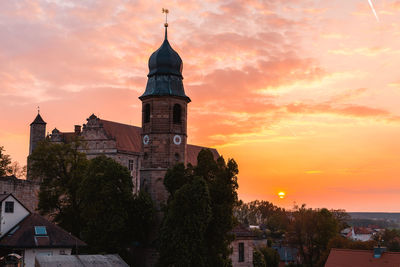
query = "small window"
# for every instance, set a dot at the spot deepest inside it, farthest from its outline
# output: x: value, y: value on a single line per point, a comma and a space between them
x: 40, y: 230
x: 177, y: 157
x: 241, y: 252
x: 9, y: 207
x: 177, y: 114
x: 146, y: 115
x: 130, y: 165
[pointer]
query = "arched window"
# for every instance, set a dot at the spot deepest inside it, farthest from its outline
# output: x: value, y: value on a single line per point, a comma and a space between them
x: 177, y: 113
x: 146, y: 115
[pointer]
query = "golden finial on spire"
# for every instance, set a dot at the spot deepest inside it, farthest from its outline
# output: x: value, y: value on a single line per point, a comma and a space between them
x: 38, y: 110
x: 165, y: 11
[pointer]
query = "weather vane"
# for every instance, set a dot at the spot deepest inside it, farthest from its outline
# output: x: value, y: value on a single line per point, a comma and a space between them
x: 165, y: 11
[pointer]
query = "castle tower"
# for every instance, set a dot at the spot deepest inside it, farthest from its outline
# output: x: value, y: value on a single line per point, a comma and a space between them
x: 38, y: 132
x: 164, y: 120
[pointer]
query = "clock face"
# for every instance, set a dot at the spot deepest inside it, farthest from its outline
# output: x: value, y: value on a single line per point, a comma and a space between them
x: 177, y: 140
x: 146, y: 139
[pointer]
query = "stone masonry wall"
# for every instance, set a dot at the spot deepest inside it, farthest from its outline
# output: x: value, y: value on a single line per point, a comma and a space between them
x: 24, y: 190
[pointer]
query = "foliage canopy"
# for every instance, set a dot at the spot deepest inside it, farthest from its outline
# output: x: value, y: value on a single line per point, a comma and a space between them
x: 92, y: 199
x: 206, y: 193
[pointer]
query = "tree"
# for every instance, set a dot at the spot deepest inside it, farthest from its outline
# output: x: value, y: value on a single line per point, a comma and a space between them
x: 221, y: 178
x: 258, y: 259
x: 221, y: 182
x: 390, y: 238
x: 182, y: 240
x: 61, y: 168
x: 265, y: 214
x: 5, y: 161
x: 92, y: 199
x: 311, y: 230
x: 106, y: 200
x: 271, y: 256
x: 17, y: 170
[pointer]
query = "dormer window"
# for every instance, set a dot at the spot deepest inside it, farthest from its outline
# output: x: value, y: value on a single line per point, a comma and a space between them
x: 177, y: 114
x: 9, y: 207
x: 146, y: 115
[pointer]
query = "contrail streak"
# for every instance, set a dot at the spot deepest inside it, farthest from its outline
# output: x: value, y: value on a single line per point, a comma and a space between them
x: 373, y: 10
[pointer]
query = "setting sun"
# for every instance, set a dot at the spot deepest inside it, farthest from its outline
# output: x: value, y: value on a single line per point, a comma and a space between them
x: 281, y: 194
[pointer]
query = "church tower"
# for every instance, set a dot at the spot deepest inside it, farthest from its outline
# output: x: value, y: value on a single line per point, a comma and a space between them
x: 164, y: 120
x: 37, y: 133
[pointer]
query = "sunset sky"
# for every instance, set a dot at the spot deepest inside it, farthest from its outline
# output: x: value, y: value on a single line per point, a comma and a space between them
x: 304, y: 95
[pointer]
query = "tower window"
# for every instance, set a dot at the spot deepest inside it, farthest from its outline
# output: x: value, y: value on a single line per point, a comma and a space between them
x: 146, y: 115
x: 177, y: 113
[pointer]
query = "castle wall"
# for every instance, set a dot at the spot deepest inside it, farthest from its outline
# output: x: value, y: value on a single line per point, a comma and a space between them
x: 25, y: 191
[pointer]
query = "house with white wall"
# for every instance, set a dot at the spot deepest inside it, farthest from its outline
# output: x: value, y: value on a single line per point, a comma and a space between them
x: 28, y: 234
x: 242, y: 247
x: 12, y: 211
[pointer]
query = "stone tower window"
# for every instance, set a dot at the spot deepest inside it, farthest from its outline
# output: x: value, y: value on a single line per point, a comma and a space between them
x: 177, y: 114
x: 146, y: 115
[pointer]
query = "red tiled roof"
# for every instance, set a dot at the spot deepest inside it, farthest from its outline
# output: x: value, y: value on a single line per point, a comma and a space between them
x: 129, y: 139
x: 127, y: 136
x: 361, y: 258
x: 24, y: 235
x: 68, y: 136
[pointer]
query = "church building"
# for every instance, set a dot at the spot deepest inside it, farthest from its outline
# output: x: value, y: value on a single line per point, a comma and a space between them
x: 147, y: 151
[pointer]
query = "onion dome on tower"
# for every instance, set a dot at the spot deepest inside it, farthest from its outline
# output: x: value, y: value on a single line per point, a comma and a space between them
x: 165, y: 72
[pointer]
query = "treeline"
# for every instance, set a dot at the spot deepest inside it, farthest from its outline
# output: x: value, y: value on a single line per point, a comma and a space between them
x: 312, y: 231
x: 381, y: 223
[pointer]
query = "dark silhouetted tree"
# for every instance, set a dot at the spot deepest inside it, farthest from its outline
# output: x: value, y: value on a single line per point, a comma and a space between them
x: 311, y: 230
x: 92, y: 199
x: 106, y: 201
x: 182, y: 239
x: 5, y: 163
x: 270, y: 255
x: 61, y: 168
x: 221, y: 183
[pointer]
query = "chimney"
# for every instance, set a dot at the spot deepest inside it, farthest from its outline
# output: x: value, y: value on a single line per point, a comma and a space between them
x: 77, y: 129
x: 378, y: 251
